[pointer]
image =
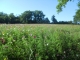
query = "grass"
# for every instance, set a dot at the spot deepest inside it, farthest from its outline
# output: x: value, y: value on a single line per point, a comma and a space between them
x: 39, y: 42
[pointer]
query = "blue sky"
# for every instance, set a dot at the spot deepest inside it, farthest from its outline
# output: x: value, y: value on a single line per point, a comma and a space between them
x: 47, y: 6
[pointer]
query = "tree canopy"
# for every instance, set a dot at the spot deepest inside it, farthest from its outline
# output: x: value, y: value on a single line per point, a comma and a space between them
x: 76, y: 17
x: 54, y: 20
x: 62, y: 3
x: 26, y: 17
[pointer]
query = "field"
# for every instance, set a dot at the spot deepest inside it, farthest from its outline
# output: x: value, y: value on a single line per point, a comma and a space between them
x: 39, y: 42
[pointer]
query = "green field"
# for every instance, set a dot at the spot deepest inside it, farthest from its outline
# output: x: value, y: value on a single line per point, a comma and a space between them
x: 39, y: 42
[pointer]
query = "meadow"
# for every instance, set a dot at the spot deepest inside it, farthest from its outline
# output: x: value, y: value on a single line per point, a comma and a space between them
x: 39, y: 42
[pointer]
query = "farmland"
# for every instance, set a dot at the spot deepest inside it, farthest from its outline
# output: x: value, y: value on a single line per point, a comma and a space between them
x: 39, y: 42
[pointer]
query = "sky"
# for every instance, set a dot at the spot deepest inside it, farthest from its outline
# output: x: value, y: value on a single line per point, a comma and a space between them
x: 47, y: 6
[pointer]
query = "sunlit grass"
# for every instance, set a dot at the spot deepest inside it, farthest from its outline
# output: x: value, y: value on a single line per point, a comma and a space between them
x: 39, y: 42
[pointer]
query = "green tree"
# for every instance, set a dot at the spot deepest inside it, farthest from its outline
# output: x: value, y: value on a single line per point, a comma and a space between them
x: 62, y: 3
x: 54, y: 20
x: 46, y: 20
x: 26, y: 17
x: 17, y: 19
x: 76, y: 17
x: 3, y: 17
x: 38, y: 16
x: 6, y: 18
x: 11, y: 18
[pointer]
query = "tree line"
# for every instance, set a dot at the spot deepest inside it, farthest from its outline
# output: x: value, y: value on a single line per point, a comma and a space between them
x: 38, y: 16
x: 26, y: 17
x: 34, y: 17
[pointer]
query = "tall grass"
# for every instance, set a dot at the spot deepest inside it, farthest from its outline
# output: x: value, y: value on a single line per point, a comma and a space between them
x: 39, y: 42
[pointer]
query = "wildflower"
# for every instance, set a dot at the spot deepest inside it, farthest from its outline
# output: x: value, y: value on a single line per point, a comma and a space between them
x: 5, y: 58
x: 13, y: 40
x: 22, y: 30
x: 30, y: 34
x: 14, y: 28
x: 34, y: 36
x: 2, y: 40
x: 23, y: 37
x: 2, y: 33
x: 64, y: 52
x: 77, y: 55
x: 45, y: 37
x: 11, y: 49
x: 7, y: 33
x: 10, y: 42
x: 10, y: 35
x: 36, y: 55
x: 78, y: 43
x: 47, y: 44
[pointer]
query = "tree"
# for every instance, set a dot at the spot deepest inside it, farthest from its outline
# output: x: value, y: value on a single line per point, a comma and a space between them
x: 3, y: 17
x: 38, y: 16
x: 6, y: 18
x: 62, y: 3
x: 76, y: 17
x: 11, y: 18
x: 17, y: 19
x: 54, y: 20
x: 46, y: 20
x: 26, y: 17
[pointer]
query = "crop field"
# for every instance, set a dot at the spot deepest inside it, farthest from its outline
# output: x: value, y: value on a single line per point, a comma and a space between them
x: 39, y: 42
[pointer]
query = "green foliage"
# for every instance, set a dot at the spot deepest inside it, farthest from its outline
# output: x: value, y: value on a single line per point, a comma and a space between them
x: 61, y: 4
x: 54, y: 20
x: 79, y: 4
x: 76, y: 17
x: 26, y: 17
x: 37, y: 42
